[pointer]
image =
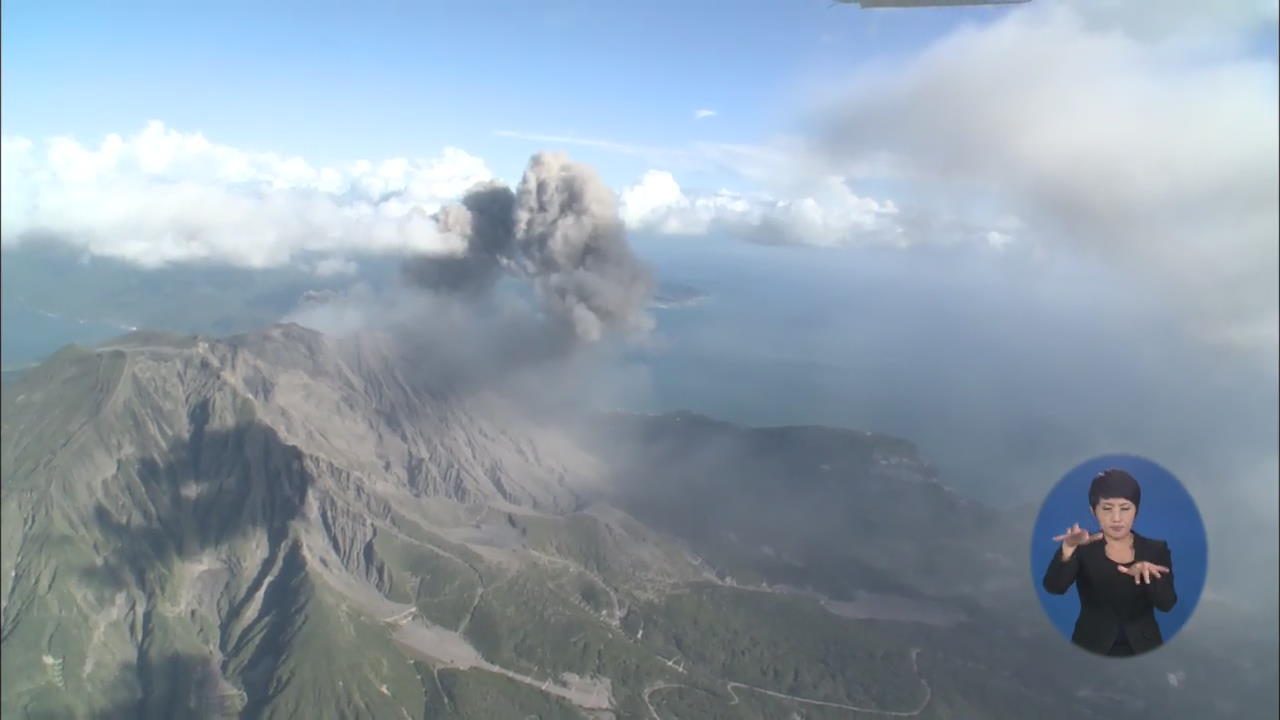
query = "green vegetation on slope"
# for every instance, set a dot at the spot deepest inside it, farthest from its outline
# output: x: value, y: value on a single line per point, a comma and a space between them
x: 782, y: 643
x: 441, y: 587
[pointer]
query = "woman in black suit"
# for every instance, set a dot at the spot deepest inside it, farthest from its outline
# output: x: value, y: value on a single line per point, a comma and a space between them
x: 1120, y: 580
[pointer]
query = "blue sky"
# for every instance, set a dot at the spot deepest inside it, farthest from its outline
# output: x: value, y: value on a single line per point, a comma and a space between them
x: 333, y: 82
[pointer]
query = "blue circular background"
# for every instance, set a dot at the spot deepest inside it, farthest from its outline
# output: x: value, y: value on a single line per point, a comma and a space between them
x: 1167, y: 512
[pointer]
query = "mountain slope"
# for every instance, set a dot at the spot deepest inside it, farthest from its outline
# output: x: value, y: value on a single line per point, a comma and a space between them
x: 230, y: 503
x: 282, y: 525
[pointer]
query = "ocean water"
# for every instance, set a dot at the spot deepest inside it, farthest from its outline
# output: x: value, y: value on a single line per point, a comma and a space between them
x: 30, y: 334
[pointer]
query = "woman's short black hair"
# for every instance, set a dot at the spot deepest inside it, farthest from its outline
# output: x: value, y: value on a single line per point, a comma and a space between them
x: 1114, y: 483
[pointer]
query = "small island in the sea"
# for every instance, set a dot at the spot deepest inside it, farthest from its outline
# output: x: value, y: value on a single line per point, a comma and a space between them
x: 669, y: 296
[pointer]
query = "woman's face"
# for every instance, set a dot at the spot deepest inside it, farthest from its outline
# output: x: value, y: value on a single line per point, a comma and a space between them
x: 1115, y: 516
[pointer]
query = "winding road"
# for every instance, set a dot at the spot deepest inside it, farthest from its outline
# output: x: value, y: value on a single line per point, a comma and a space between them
x: 616, y: 619
x: 595, y: 701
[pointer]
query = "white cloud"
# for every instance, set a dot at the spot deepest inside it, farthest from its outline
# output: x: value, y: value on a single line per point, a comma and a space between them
x: 1181, y: 24
x: 1109, y: 131
x: 332, y: 266
x: 641, y: 204
x: 163, y: 196
x: 997, y: 239
x: 831, y: 214
x: 703, y: 113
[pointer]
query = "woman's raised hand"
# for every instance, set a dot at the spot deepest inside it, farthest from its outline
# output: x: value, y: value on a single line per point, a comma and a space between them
x: 1075, y: 536
x: 1142, y: 571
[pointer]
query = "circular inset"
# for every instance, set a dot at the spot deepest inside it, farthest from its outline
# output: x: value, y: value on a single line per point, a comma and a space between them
x: 1118, y: 555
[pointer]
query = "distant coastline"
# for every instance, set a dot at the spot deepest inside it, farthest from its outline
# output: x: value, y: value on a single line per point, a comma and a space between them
x: 33, y: 333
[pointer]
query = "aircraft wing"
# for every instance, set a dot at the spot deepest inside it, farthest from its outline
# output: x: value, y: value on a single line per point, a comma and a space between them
x: 865, y: 4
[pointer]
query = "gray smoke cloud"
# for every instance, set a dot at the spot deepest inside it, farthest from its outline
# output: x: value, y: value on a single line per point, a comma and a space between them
x: 560, y: 230
x: 485, y: 219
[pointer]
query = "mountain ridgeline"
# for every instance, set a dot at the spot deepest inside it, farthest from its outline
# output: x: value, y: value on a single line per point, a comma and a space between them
x: 285, y: 525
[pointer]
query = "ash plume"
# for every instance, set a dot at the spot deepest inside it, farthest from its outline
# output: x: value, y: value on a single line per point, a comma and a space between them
x: 560, y: 231
x: 485, y: 221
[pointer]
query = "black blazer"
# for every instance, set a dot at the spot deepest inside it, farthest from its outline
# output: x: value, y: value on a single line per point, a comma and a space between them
x: 1109, y: 600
